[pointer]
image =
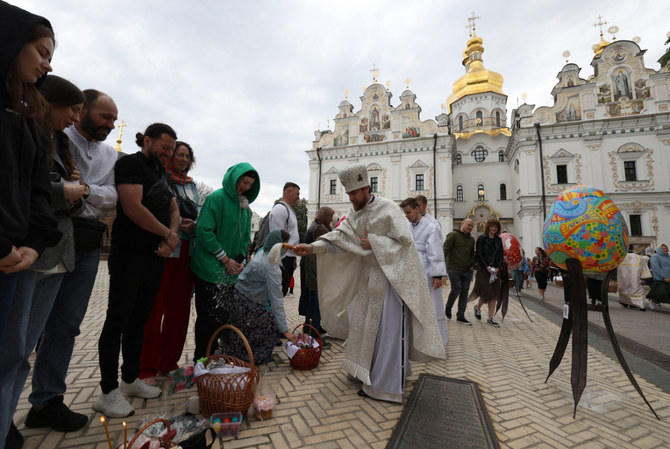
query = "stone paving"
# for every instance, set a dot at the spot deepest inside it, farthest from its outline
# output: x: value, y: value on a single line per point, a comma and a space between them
x: 320, y: 408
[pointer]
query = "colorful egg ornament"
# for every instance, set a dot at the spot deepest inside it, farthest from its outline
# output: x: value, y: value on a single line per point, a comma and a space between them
x: 586, y: 225
x: 511, y: 251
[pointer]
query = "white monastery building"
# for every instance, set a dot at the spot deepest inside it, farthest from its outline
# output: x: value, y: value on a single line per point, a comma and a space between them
x: 609, y: 129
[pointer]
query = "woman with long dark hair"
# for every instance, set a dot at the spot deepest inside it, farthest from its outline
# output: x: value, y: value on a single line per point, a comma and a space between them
x: 27, y: 223
x: 165, y: 331
x: 40, y: 284
x: 541, y: 269
x: 489, y: 257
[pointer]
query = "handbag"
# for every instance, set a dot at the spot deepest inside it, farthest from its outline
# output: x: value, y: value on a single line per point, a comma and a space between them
x: 88, y: 233
x: 187, y: 208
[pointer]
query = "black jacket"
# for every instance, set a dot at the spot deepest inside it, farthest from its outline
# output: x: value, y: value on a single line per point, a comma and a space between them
x: 26, y: 217
x: 489, y: 251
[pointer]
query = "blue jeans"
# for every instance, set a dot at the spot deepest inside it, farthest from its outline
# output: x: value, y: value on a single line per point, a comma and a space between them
x: 62, y: 326
x: 34, y: 297
x: 7, y: 285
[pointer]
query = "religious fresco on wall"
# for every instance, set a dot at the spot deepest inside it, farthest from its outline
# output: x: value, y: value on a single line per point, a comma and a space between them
x: 374, y: 119
x: 571, y: 112
x: 411, y: 131
x: 373, y: 137
x: 342, y: 139
x: 604, y: 94
x: 621, y: 84
x: 625, y: 107
x: 642, y: 91
x: 363, y: 127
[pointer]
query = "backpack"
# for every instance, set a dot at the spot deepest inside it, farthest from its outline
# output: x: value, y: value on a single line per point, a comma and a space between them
x: 264, y: 230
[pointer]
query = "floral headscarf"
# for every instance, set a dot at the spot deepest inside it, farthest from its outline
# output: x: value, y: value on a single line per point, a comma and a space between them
x: 271, y: 240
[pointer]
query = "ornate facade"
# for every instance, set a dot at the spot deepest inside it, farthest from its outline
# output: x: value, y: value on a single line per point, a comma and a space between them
x: 610, y: 130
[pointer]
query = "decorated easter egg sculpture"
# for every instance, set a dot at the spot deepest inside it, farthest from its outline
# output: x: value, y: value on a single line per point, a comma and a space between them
x: 586, y: 225
x: 511, y: 251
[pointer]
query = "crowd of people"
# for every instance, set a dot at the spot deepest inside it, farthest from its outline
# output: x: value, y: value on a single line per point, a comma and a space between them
x: 373, y: 278
x: 58, y: 177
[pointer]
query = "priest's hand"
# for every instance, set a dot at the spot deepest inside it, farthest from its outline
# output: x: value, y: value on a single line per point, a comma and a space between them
x: 303, y: 249
x: 437, y: 283
x: 365, y: 243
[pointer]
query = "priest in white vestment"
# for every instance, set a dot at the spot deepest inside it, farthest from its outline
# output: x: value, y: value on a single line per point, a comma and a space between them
x: 428, y: 241
x: 372, y: 291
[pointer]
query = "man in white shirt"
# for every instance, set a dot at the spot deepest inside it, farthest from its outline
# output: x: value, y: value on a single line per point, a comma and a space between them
x: 283, y: 217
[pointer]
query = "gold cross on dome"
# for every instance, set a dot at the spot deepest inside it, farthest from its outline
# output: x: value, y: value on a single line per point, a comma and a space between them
x: 600, y: 24
x: 121, y: 126
x: 375, y: 73
x: 471, y: 23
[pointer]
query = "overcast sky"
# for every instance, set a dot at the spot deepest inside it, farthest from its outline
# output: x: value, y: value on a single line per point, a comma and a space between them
x: 250, y: 80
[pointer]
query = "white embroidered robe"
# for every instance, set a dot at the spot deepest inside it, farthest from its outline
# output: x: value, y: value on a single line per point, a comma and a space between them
x: 365, y: 296
x: 428, y: 240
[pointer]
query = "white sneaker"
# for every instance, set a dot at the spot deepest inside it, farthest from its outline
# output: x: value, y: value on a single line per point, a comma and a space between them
x: 140, y: 389
x: 113, y: 404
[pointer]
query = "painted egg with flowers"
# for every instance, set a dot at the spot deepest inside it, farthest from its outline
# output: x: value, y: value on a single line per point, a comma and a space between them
x: 585, y: 224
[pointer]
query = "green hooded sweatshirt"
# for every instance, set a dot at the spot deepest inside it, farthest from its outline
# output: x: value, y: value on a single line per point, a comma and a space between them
x: 223, y: 225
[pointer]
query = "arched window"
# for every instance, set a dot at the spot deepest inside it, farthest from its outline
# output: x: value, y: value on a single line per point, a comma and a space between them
x: 480, y: 192
x: 459, y: 193
x: 501, y: 156
x: 459, y: 159
x: 480, y: 118
x: 460, y: 123
x: 503, y: 192
x: 498, y: 119
x: 480, y: 154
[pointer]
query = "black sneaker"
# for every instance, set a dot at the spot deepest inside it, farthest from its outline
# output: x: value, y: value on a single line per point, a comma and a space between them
x: 447, y: 312
x: 464, y: 321
x: 492, y: 323
x: 14, y: 439
x: 57, y: 416
x: 478, y: 313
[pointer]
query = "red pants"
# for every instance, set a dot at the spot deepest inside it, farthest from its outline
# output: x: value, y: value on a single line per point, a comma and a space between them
x: 165, y: 331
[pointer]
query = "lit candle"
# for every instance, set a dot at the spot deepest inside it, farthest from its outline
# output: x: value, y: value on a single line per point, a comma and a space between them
x: 125, y: 434
x: 104, y: 423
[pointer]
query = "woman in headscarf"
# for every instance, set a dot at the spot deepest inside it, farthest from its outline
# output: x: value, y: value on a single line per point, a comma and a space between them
x: 223, y: 233
x: 256, y: 307
x: 165, y: 331
x: 660, y: 270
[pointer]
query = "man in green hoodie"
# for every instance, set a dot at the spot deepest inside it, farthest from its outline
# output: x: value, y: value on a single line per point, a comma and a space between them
x: 223, y: 233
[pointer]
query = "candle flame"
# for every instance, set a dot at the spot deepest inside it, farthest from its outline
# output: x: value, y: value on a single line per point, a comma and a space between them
x: 102, y: 419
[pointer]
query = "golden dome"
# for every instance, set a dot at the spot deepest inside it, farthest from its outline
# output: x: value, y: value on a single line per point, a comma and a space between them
x: 600, y: 46
x: 477, y: 78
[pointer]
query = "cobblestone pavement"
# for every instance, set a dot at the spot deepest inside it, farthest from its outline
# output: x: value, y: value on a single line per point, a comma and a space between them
x: 320, y: 408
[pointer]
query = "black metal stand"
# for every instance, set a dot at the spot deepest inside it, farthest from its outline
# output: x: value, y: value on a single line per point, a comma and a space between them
x: 577, y: 324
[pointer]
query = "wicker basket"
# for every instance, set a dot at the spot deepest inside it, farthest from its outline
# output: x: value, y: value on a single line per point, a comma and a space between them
x: 559, y: 283
x: 166, y: 441
x: 612, y: 287
x: 307, y: 358
x: 220, y: 393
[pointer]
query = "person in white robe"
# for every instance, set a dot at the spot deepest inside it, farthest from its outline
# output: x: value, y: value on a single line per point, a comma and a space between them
x: 428, y: 241
x: 372, y: 292
x: 630, y: 277
x: 423, y: 205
